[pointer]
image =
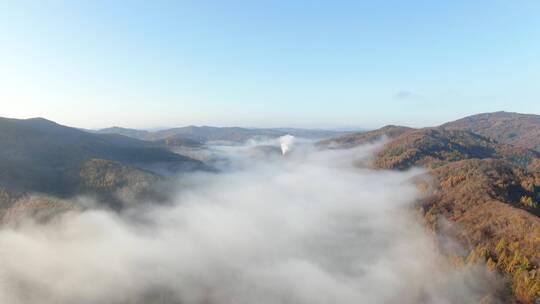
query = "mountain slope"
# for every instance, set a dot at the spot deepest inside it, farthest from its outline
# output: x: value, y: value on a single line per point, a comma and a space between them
x: 434, y: 147
x: 37, y: 155
x: 490, y: 207
x: 512, y: 128
x: 486, y: 192
x: 482, y: 193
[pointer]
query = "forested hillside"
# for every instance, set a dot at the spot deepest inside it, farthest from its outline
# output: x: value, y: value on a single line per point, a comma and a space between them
x: 40, y: 157
x: 481, y: 193
x: 505, y: 127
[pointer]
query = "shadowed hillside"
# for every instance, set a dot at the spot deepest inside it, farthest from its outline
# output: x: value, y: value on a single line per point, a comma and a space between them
x: 37, y: 155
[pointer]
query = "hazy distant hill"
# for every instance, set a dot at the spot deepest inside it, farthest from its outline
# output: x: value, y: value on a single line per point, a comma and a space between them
x: 360, y: 138
x: 139, y: 134
x: 481, y: 191
x: 37, y: 155
x: 513, y: 128
x: 221, y: 134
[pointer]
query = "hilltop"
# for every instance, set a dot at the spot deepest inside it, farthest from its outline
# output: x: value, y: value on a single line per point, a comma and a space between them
x: 505, y: 127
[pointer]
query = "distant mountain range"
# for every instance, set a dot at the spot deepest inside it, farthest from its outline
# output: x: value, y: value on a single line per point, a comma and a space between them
x: 483, y: 189
x: 41, y: 156
x: 206, y: 134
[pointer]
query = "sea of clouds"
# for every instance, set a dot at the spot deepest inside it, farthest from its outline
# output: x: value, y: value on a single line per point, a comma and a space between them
x: 300, y: 226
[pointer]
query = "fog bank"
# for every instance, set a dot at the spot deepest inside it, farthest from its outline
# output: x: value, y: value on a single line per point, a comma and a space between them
x: 305, y: 227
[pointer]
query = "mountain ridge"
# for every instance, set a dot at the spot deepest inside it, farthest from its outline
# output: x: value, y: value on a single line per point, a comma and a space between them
x: 208, y: 133
x: 481, y: 192
x: 41, y: 156
x: 506, y: 127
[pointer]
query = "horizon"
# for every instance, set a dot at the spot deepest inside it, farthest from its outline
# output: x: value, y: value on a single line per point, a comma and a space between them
x: 336, y: 129
x: 303, y: 64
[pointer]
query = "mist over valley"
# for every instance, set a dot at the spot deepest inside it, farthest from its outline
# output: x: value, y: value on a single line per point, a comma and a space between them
x: 378, y: 216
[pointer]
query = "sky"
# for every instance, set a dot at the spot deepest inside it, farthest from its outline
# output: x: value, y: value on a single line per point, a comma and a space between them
x: 316, y: 64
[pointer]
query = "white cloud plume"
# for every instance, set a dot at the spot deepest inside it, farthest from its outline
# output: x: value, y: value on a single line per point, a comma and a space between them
x: 286, y: 143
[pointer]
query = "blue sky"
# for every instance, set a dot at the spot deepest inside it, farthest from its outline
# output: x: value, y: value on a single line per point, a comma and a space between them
x: 148, y: 64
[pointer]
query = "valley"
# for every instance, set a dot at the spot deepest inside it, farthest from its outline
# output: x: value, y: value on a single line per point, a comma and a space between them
x: 477, y: 195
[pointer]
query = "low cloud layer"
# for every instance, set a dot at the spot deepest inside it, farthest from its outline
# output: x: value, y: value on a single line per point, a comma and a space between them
x: 306, y: 227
